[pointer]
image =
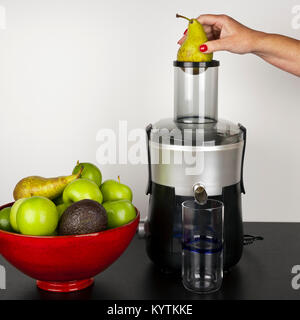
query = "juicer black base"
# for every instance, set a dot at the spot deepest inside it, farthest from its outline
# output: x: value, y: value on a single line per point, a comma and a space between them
x: 163, y: 238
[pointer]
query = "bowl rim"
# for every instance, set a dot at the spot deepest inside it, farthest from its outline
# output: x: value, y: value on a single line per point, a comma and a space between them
x: 93, y: 234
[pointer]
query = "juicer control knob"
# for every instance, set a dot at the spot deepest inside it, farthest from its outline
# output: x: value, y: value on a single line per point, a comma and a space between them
x: 200, y: 193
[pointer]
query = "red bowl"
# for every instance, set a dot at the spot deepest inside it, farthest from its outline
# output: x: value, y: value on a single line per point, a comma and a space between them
x: 66, y: 263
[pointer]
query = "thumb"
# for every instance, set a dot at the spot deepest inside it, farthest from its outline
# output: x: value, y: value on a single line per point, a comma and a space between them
x: 213, y: 45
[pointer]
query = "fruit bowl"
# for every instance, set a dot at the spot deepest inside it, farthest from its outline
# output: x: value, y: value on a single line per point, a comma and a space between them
x: 66, y: 263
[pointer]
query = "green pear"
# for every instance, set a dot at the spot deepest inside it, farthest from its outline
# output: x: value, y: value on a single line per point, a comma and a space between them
x: 50, y: 188
x: 196, y: 36
x: 115, y: 190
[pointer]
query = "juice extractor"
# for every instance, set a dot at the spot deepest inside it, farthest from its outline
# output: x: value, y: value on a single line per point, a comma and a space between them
x: 194, y: 151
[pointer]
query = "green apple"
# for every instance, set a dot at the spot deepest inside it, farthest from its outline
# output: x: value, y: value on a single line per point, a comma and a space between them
x: 4, y: 219
x: 61, y: 208
x: 13, y: 214
x: 115, y: 190
x: 119, y: 212
x: 82, y: 189
x: 37, y: 216
x: 90, y: 171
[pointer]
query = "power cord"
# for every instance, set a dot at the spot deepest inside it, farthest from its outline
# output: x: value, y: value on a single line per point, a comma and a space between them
x: 249, y: 239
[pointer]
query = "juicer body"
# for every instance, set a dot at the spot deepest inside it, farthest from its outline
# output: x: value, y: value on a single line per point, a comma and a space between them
x: 193, y: 148
x: 220, y: 170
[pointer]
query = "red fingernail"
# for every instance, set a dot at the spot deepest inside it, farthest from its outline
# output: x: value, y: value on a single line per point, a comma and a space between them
x: 185, y: 32
x: 203, y: 48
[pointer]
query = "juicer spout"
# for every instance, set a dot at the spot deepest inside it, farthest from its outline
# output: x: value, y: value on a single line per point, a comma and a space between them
x: 200, y: 193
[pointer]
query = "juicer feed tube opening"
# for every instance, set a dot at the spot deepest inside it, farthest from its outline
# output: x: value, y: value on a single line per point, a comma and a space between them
x: 190, y: 64
x: 196, y: 92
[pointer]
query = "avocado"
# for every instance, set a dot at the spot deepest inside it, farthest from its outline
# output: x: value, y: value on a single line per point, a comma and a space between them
x: 84, y: 216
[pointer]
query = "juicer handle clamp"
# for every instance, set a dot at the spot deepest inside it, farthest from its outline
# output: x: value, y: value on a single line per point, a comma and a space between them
x: 244, y: 130
x: 148, y: 131
x: 142, y: 229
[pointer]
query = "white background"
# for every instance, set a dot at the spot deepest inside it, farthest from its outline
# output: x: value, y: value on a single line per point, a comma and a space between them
x: 69, y: 68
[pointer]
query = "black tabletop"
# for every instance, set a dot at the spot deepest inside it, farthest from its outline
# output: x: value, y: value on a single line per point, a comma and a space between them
x: 264, y: 272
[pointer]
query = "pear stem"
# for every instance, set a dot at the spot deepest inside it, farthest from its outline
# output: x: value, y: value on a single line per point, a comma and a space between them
x: 180, y: 16
x: 119, y: 179
x: 80, y: 172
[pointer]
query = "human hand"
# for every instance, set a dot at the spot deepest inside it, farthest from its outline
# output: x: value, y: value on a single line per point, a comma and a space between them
x: 225, y: 33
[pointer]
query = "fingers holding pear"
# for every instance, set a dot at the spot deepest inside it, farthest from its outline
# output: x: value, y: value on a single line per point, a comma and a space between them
x: 191, y: 42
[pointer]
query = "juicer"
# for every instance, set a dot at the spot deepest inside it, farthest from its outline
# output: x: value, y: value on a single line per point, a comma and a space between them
x: 192, y: 153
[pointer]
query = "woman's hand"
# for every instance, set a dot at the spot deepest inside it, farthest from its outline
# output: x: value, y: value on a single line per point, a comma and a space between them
x: 225, y: 33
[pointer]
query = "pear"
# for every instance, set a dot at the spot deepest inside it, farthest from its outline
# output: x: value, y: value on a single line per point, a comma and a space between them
x: 50, y: 188
x: 196, y: 36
